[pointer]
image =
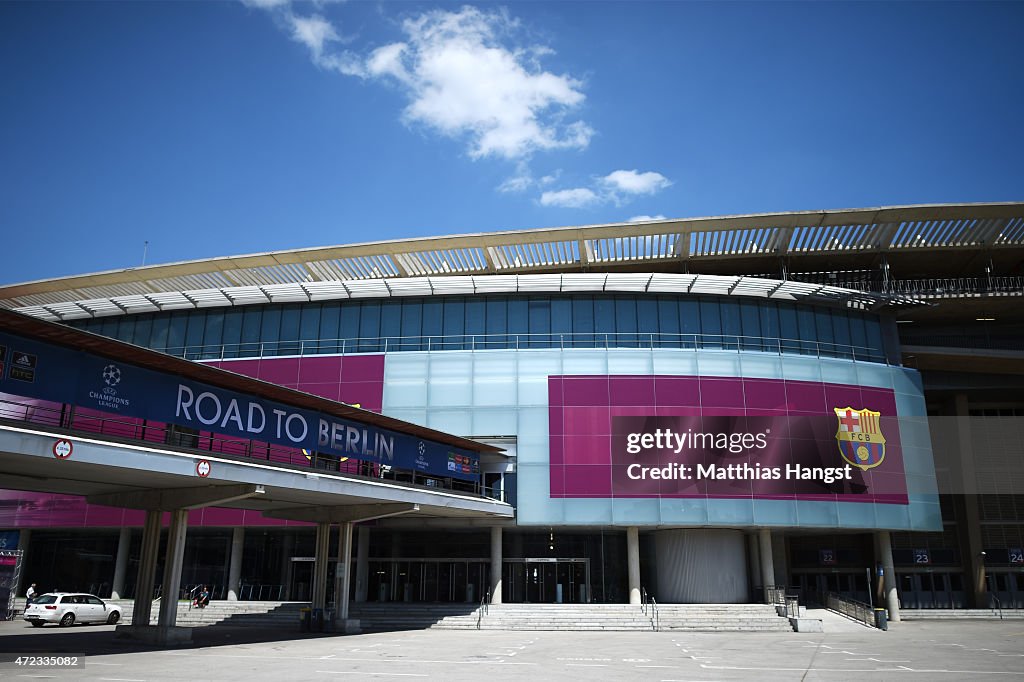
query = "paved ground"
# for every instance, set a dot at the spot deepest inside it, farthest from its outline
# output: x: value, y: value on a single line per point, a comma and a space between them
x: 975, y: 650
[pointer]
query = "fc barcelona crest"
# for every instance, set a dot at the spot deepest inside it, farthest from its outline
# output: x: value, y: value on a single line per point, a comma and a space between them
x: 860, y: 438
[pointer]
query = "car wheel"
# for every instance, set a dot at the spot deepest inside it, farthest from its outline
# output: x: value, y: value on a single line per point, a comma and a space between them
x: 37, y: 623
x: 113, y: 618
x: 67, y: 620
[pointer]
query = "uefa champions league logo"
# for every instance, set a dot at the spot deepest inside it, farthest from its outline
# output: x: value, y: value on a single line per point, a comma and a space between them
x: 111, y: 375
x: 422, y: 448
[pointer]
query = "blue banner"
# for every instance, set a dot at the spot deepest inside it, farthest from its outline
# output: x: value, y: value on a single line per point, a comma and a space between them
x: 40, y: 370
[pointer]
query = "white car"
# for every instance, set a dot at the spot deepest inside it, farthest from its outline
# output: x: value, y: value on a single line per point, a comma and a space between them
x: 68, y: 608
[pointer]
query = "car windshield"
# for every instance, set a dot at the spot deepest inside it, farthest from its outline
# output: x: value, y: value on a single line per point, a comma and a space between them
x: 45, y: 599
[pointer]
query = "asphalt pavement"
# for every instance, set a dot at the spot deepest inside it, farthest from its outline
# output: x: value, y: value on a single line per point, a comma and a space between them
x: 922, y: 650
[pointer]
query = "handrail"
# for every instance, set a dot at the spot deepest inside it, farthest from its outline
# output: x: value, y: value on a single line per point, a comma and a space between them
x: 998, y: 602
x: 851, y: 608
x: 485, y: 607
x: 648, y: 602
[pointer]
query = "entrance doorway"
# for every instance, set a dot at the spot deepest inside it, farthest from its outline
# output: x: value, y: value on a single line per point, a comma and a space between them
x: 850, y: 584
x: 546, y: 581
x: 428, y: 580
x: 1008, y: 587
x: 931, y: 590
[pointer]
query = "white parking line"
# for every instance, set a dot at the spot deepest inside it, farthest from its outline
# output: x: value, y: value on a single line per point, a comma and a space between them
x: 357, y: 672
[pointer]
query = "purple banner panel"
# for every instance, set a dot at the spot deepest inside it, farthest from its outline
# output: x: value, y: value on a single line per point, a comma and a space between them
x: 694, y: 437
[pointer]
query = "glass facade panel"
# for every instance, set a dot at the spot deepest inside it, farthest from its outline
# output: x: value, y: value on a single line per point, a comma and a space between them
x: 493, y: 322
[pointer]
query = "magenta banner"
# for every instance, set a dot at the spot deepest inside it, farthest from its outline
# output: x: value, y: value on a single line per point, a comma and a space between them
x: 695, y: 437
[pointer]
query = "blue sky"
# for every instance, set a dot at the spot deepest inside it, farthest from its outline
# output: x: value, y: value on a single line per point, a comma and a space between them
x: 224, y: 128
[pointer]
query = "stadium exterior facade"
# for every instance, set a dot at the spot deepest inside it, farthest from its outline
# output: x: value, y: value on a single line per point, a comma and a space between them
x: 700, y: 407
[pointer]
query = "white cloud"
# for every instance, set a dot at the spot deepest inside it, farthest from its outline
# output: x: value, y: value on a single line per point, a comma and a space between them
x: 579, y: 197
x: 266, y: 4
x: 463, y: 81
x: 313, y: 32
x: 645, y: 218
x: 468, y: 75
x: 618, y: 187
x: 464, y: 77
x: 634, y: 182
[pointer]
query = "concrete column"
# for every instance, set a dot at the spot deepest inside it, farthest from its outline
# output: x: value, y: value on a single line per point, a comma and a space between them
x: 779, y: 560
x: 124, y: 543
x: 754, y: 563
x: 343, y: 572
x: 172, y: 568
x: 633, y: 563
x: 969, y: 528
x: 892, y: 603
x: 323, y: 540
x: 362, y: 563
x: 143, y: 608
x: 767, y: 564
x: 286, y: 563
x: 235, y: 563
x: 496, y: 564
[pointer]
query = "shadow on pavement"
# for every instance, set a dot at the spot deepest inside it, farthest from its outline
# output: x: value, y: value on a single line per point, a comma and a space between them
x: 101, y: 641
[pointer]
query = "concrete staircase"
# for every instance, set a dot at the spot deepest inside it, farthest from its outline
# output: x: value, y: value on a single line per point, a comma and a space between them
x: 960, y: 614
x: 390, y: 616
x: 253, y: 613
x: 721, y: 618
x: 619, y: 617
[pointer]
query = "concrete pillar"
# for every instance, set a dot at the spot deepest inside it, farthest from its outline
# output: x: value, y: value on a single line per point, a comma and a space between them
x: 633, y: 563
x: 496, y: 564
x: 124, y: 543
x: 143, y: 608
x: 323, y: 543
x: 362, y: 563
x: 892, y: 603
x: 767, y: 564
x: 754, y: 563
x: 172, y: 568
x: 969, y: 528
x: 779, y: 560
x: 286, y: 563
x: 235, y: 562
x: 343, y: 571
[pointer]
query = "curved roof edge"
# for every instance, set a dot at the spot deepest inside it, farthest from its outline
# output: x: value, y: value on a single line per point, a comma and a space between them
x: 469, y: 285
x: 658, y: 244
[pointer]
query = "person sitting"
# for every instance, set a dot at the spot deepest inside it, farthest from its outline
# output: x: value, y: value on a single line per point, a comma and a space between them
x: 204, y: 598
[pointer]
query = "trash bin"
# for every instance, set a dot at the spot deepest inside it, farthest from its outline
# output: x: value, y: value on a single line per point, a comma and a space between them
x: 316, y: 624
x: 304, y: 619
x: 328, y: 620
x: 881, y: 619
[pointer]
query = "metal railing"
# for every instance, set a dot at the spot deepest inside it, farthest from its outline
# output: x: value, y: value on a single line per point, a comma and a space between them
x: 485, y: 607
x: 851, y: 608
x: 258, y: 592
x: 927, y: 287
x: 160, y: 434
x: 649, y: 607
x: 508, y: 341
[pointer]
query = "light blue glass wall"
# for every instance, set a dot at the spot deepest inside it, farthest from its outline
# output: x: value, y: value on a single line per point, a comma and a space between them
x: 494, y: 322
x: 498, y: 393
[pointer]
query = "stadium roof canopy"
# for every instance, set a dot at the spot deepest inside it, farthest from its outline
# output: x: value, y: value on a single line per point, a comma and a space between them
x: 913, y: 240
